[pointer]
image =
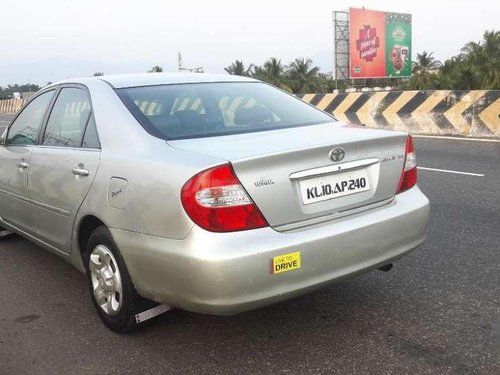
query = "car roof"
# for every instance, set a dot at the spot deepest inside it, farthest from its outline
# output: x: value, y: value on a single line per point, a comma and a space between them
x: 151, y: 79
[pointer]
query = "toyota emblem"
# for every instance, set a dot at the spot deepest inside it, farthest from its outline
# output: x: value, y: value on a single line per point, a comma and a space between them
x: 337, y: 154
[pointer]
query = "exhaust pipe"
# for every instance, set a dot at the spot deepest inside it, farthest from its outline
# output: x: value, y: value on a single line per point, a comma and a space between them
x: 386, y: 268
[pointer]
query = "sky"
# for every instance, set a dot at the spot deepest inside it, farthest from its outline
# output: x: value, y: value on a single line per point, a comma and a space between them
x: 50, y: 40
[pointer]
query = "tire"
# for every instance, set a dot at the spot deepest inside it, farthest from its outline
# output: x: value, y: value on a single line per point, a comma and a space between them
x: 111, y: 290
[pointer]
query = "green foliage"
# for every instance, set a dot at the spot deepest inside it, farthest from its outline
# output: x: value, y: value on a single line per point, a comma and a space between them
x: 274, y: 72
x: 476, y: 67
x: 299, y: 76
x: 303, y: 76
x: 238, y: 69
x: 8, y: 92
x: 424, y: 70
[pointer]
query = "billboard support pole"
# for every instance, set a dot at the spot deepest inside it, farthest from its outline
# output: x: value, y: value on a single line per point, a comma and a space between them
x: 340, y: 46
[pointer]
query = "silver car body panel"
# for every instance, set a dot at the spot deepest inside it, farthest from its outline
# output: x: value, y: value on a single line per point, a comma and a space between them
x: 15, y: 208
x: 280, y: 156
x: 172, y: 260
x: 56, y: 193
x: 227, y: 273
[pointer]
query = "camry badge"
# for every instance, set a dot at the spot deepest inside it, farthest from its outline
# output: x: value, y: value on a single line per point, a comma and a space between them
x: 337, y: 154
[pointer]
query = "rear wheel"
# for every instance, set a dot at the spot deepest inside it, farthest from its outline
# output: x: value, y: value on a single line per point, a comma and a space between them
x: 111, y: 289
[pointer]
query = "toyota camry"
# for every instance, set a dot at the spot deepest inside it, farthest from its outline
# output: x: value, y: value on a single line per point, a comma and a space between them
x: 215, y: 194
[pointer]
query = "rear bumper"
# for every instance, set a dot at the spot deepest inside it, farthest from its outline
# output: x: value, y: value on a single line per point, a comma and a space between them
x: 227, y: 273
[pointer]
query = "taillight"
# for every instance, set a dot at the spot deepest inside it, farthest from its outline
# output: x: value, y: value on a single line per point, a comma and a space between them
x: 409, y: 175
x: 216, y: 201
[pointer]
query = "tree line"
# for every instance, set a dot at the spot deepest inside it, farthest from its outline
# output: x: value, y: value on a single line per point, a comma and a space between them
x: 477, y: 66
x: 299, y: 76
x: 8, y: 92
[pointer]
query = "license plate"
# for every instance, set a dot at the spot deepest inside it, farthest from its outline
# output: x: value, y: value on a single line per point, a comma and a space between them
x: 286, y: 262
x: 333, y: 186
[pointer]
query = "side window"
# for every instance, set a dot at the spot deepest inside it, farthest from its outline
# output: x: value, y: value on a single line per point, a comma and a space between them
x: 25, y: 128
x: 91, y: 139
x: 68, y: 119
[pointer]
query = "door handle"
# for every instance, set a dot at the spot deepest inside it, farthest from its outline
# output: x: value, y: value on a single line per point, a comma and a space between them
x: 22, y: 165
x: 80, y: 171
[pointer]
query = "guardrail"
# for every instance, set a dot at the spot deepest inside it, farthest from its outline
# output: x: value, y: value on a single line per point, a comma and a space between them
x: 473, y: 113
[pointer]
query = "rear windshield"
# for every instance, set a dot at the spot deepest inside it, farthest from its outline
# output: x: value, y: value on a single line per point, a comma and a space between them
x: 211, y: 109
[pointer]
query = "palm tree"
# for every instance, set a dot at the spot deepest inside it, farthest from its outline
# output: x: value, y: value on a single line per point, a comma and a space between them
x: 423, y: 72
x: 472, y: 52
x: 156, y: 69
x: 327, y: 83
x: 237, y: 68
x: 483, y: 59
x: 491, y: 70
x: 447, y: 76
x: 258, y: 72
x: 274, y: 72
x: 492, y: 43
x: 425, y: 63
x: 471, y: 69
x: 274, y: 69
x: 303, y: 77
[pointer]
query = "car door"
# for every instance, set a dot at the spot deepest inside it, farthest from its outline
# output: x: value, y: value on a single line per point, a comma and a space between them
x: 63, y: 166
x: 15, y: 153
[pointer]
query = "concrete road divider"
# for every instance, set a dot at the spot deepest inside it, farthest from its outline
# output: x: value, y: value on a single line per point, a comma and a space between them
x: 11, y: 105
x: 474, y: 113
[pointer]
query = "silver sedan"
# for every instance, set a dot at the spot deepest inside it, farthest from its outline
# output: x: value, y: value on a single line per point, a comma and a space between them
x: 211, y: 193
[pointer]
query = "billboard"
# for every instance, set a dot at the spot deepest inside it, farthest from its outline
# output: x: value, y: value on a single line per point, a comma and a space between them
x: 379, y: 44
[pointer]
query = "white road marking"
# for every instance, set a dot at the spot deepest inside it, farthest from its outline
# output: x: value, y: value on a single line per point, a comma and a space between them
x: 458, y: 138
x: 450, y: 171
x: 4, y: 121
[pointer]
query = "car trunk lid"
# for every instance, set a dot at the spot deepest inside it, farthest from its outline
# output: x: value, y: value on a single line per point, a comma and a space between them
x: 290, y: 174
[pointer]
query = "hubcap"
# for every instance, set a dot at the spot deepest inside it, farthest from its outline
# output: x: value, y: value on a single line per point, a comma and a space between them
x: 106, y: 280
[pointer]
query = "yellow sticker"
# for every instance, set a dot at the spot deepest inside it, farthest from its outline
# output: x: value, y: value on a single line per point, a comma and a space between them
x: 286, y: 262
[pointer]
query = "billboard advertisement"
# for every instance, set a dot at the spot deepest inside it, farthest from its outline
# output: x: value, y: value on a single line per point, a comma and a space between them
x: 379, y: 44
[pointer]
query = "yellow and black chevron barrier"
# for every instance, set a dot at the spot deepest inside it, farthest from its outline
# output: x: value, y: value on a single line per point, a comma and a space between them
x: 14, y: 105
x: 11, y: 105
x: 446, y: 112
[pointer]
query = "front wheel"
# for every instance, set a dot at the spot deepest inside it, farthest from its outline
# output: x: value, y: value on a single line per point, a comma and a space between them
x: 111, y: 289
